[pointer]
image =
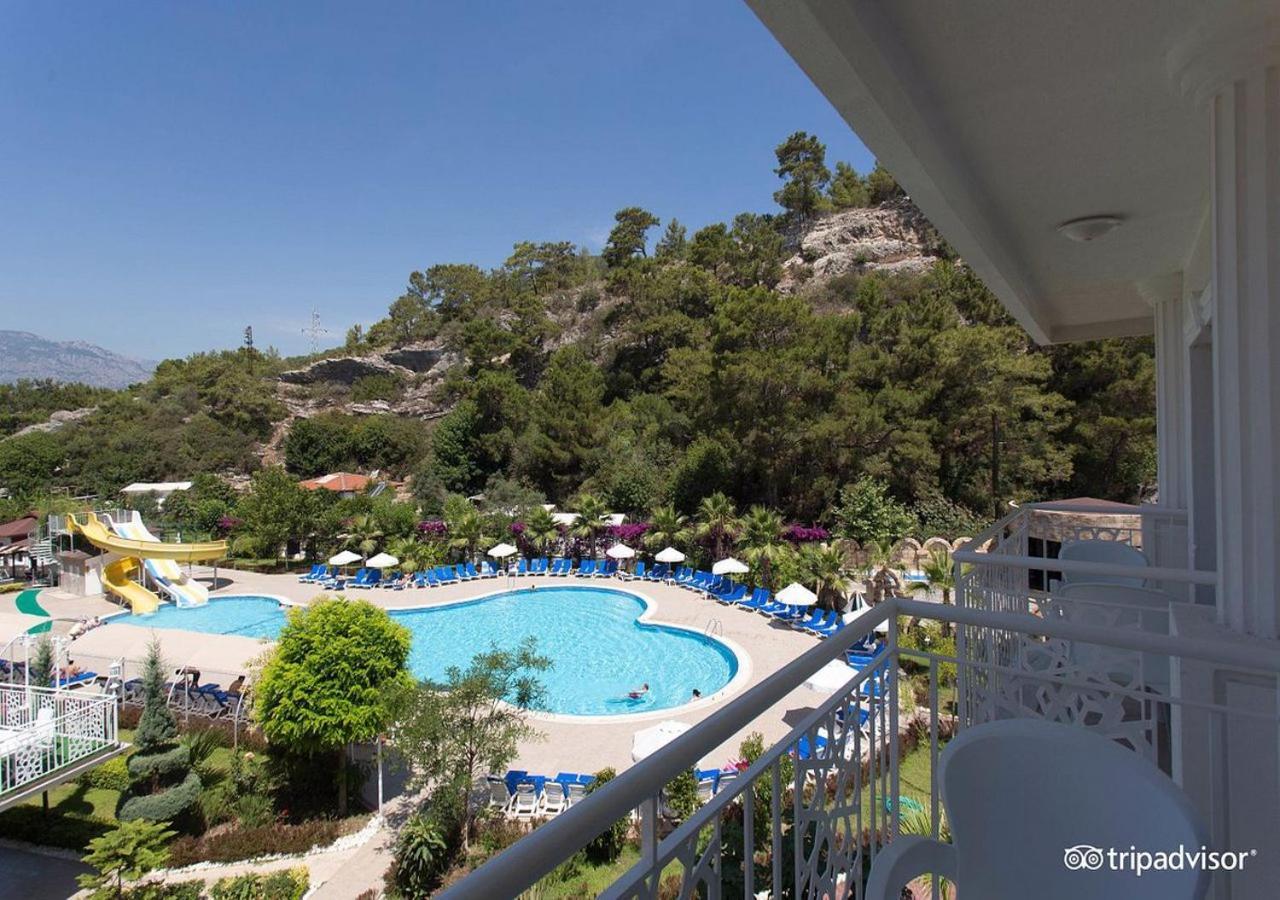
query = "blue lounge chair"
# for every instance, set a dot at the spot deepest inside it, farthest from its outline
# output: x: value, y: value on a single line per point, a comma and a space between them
x: 815, y: 615
x: 586, y: 568
x: 607, y: 568
x: 522, y: 566
x: 824, y: 625
x: 373, y: 579
x: 540, y: 566
x: 316, y: 572
x: 637, y: 572
x: 472, y: 572
x: 447, y: 575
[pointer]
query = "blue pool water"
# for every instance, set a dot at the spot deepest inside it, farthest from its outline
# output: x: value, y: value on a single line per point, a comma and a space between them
x: 598, y: 649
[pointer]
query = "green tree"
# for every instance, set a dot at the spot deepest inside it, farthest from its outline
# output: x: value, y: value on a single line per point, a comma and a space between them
x: 868, y: 514
x: 717, y: 523
x: 42, y: 664
x: 825, y: 568
x: 329, y: 680
x: 673, y: 245
x: 472, y: 723
x: 590, y: 523
x: 628, y: 237
x: 126, y: 853
x: 882, y: 186
x: 712, y: 248
x: 540, y: 528
x: 802, y: 166
x: 275, y: 509
x: 706, y: 468
x: 762, y: 542
x: 848, y: 188
x: 940, y: 575
x: 467, y: 531
x: 667, y: 528
x: 163, y: 786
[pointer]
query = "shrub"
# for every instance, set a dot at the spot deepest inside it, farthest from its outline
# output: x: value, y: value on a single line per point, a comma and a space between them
x: 286, y: 885
x: 167, y: 806
x: 247, y: 843
x: 112, y: 775
x: 607, y: 846
x: 422, y: 855
x: 183, y: 890
x: 682, y: 794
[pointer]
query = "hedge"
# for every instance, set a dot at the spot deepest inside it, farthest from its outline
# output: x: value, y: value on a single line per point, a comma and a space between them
x: 112, y: 775
x: 145, y: 766
x: 237, y: 844
x: 165, y: 806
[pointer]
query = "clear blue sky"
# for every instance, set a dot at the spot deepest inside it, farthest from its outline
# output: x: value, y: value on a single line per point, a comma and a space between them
x: 172, y: 172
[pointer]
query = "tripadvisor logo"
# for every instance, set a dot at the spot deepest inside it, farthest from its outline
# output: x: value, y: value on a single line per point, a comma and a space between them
x: 1088, y: 858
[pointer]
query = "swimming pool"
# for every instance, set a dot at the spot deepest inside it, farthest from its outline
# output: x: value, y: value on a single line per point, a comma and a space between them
x: 598, y: 648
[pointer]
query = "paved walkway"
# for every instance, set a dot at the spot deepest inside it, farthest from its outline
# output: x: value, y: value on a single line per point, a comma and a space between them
x: 33, y: 875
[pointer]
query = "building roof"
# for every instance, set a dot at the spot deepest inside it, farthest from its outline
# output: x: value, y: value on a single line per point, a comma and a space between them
x: 339, y: 482
x: 1003, y: 121
x: 19, y: 528
x: 15, y: 548
x: 156, y: 487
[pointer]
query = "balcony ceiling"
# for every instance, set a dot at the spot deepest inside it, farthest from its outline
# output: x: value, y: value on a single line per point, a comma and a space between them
x: 1006, y: 118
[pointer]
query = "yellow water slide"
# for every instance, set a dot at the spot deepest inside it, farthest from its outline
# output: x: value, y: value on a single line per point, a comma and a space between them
x: 117, y: 578
x: 117, y: 575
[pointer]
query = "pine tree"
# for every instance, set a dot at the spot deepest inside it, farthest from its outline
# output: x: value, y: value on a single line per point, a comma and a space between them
x: 41, y: 668
x: 162, y: 784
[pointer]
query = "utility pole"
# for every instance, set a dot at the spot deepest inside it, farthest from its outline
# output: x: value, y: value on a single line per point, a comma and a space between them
x: 315, y: 330
x: 248, y: 337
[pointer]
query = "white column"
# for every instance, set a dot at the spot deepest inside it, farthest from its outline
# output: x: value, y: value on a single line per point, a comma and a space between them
x: 1171, y: 414
x: 1231, y: 68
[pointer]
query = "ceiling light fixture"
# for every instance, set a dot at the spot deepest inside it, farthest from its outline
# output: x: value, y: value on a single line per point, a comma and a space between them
x: 1089, y: 228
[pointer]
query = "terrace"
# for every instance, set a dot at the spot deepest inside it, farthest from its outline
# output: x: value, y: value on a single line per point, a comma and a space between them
x: 1029, y: 136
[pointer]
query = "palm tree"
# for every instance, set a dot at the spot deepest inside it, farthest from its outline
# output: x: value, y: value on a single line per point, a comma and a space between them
x: 667, y: 528
x: 466, y: 531
x: 540, y: 528
x: 940, y: 575
x: 591, y: 513
x: 410, y: 552
x: 763, y: 542
x: 363, y: 536
x: 717, y: 520
x: 880, y: 568
x: 824, y: 565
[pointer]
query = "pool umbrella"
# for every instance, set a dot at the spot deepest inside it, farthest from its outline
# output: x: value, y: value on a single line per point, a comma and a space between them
x: 345, y: 558
x: 730, y: 566
x: 669, y: 555
x: 382, y: 561
x: 650, y: 740
x: 796, y: 594
x: 502, y: 551
x: 619, y: 551
x: 830, y: 678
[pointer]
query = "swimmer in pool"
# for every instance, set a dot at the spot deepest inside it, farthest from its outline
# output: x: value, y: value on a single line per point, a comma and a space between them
x: 697, y: 694
x: 639, y: 693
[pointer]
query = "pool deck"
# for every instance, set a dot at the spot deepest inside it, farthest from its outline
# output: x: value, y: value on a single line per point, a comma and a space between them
x: 574, y: 744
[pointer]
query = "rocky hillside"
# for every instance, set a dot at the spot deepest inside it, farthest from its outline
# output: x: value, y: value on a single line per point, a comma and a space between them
x: 891, y: 237
x: 29, y: 356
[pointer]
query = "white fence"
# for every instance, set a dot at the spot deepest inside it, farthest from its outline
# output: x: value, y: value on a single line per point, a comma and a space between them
x: 43, y: 730
x: 808, y: 818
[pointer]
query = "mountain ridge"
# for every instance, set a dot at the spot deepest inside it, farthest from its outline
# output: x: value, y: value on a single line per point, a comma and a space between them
x: 26, y: 355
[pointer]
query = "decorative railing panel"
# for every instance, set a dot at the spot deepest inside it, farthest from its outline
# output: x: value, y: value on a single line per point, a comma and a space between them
x: 45, y: 730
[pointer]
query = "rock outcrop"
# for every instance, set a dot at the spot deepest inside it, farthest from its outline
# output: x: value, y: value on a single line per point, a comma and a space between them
x: 892, y: 237
x: 58, y: 419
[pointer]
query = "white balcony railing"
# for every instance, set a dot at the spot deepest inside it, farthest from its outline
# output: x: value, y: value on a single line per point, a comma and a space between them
x: 817, y: 819
x: 44, y: 732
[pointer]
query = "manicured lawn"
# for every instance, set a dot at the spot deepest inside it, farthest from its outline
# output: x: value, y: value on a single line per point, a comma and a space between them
x: 592, y: 880
x: 913, y: 781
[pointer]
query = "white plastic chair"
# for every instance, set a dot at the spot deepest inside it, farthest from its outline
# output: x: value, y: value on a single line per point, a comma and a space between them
x: 1115, y: 553
x: 706, y: 789
x: 1107, y: 605
x: 552, y: 802
x: 524, y: 805
x: 576, y: 793
x: 1028, y: 800
x: 499, y: 796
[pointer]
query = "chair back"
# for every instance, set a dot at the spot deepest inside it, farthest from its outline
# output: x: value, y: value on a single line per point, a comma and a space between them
x: 1109, y: 605
x: 1032, y: 803
x: 1112, y: 552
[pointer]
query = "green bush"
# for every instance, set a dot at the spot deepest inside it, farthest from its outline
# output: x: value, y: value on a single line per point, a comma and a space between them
x: 927, y: 637
x: 167, y: 806
x: 422, y: 856
x: 607, y: 846
x: 112, y: 775
x: 171, y: 760
x: 682, y: 794
x: 287, y: 885
x: 247, y: 843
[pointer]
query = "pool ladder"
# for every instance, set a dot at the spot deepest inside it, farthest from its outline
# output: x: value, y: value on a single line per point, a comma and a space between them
x: 714, y: 626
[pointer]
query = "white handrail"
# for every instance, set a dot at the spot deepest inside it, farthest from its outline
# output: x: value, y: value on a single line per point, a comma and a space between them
x: 536, y: 854
x: 1083, y: 567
